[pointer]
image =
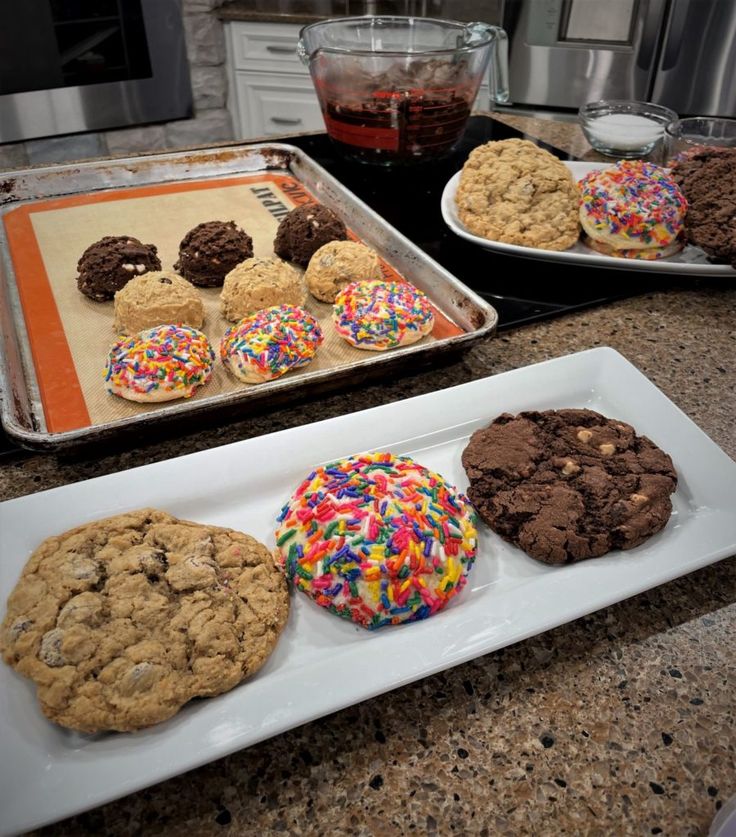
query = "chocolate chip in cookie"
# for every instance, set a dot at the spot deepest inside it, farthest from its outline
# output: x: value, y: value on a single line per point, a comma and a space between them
x: 122, y: 621
x: 565, y: 485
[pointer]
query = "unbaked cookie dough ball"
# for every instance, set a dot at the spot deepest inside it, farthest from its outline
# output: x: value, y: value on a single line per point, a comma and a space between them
x: 155, y: 298
x: 110, y: 263
x: 260, y: 283
x: 209, y: 251
x: 337, y: 264
x: 304, y: 230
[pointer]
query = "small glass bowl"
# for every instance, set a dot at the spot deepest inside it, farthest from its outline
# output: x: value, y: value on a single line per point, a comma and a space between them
x: 619, y: 128
x: 685, y: 137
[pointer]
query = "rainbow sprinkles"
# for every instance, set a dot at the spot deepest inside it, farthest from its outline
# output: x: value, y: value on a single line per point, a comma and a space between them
x: 377, y: 539
x: 159, y: 364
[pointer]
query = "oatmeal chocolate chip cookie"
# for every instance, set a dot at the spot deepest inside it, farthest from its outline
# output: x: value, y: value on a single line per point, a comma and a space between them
x: 565, y: 485
x: 708, y: 181
x: 515, y: 192
x: 122, y: 621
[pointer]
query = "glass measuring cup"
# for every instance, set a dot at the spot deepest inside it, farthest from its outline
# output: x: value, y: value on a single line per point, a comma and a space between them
x: 400, y: 89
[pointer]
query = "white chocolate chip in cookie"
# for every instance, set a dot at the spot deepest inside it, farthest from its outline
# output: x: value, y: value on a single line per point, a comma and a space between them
x: 607, y: 448
x: 585, y: 435
x: 639, y: 499
x: 570, y: 467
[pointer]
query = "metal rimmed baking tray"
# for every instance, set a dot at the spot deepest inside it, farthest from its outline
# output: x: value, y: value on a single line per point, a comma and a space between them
x: 23, y: 369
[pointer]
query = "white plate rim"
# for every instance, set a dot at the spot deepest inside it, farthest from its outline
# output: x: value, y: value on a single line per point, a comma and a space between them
x: 97, y: 771
x: 590, y: 257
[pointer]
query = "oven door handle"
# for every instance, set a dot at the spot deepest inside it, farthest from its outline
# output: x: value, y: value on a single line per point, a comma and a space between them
x: 675, y: 32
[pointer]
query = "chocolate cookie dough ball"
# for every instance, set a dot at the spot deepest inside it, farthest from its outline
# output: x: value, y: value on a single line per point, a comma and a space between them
x: 110, y: 263
x: 211, y: 250
x: 156, y: 298
x: 336, y: 265
x: 304, y: 230
x: 260, y: 283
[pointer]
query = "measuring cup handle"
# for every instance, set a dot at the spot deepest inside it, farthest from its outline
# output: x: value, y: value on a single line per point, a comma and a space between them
x: 498, y: 69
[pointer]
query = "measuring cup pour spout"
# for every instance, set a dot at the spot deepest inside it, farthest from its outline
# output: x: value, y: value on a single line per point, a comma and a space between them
x: 400, y: 89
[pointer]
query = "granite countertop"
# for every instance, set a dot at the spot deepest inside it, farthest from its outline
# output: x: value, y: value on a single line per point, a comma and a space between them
x: 620, y: 722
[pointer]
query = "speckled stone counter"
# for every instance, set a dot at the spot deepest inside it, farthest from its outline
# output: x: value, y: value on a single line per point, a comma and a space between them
x: 620, y: 722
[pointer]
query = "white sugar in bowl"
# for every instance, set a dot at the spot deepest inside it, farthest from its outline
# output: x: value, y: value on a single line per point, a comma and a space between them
x: 625, y: 129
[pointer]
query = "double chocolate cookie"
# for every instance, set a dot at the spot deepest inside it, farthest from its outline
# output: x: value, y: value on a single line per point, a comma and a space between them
x: 708, y: 181
x: 565, y: 485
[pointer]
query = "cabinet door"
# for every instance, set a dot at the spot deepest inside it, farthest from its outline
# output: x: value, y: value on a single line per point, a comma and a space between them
x: 276, y: 104
x: 265, y: 47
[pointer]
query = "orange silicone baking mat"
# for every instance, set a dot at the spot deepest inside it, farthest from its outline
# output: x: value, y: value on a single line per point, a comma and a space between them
x: 70, y: 335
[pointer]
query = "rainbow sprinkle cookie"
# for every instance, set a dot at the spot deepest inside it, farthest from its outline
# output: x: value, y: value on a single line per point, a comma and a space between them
x: 270, y: 343
x: 634, y: 208
x: 378, y: 539
x: 381, y: 315
x: 159, y: 364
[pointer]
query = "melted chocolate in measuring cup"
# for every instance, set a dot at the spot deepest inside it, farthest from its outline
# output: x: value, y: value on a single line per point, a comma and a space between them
x: 401, y: 116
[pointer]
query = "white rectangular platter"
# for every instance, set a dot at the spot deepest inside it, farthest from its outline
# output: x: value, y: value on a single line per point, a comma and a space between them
x: 47, y: 773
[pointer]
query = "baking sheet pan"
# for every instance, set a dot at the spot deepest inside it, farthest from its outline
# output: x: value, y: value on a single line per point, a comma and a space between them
x: 55, y: 340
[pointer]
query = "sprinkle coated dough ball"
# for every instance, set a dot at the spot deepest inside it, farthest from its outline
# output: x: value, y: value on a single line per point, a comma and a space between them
x: 382, y: 315
x: 260, y: 283
x: 377, y: 539
x: 336, y: 265
x: 270, y: 343
x: 154, y: 298
x: 160, y: 364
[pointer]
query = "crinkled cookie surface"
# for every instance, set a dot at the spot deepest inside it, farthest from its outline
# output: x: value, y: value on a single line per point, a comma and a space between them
x: 120, y: 622
x: 516, y: 192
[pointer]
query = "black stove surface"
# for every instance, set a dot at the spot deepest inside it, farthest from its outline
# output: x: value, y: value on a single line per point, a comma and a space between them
x: 521, y: 290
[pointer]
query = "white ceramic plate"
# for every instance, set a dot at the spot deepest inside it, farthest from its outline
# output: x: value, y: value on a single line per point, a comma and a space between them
x: 691, y: 261
x: 47, y: 773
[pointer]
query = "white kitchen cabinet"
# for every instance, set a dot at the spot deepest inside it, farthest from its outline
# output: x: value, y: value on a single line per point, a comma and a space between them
x: 270, y: 90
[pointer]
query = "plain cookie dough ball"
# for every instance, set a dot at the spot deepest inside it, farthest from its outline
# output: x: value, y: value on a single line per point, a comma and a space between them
x: 260, y: 283
x: 110, y: 263
x: 155, y: 298
x: 336, y: 265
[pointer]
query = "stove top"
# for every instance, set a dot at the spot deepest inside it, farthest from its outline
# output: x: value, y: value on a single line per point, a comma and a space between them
x: 521, y: 290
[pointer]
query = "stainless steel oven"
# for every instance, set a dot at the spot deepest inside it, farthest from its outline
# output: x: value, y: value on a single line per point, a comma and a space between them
x: 83, y: 65
x: 679, y: 53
